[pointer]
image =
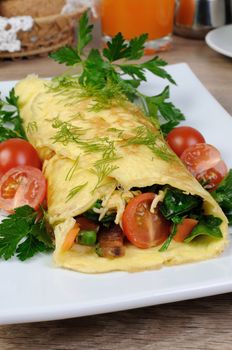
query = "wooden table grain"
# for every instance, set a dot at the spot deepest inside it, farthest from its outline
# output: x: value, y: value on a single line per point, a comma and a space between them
x: 190, y: 325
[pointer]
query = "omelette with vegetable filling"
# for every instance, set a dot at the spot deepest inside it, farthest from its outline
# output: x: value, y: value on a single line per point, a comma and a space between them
x: 117, y: 195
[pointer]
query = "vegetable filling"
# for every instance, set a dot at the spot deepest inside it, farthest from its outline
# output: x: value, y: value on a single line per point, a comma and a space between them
x: 150, y: 219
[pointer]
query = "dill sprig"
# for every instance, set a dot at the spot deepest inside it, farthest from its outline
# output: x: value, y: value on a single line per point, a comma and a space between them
x: 105, y: 161
x: 92, y: 145
x: 102, y: 170
x: 103, y: 167
x: 32, y: 127
x: 67, y: 132
x: 144, y: 136
x: 72, y: 169
x: 67, y: 88
x: 74, y: 191
x: 109, y: 96
x: 62, y: 83
x: 109, y: 154
x: 119, y: 132
x: 110, y: 150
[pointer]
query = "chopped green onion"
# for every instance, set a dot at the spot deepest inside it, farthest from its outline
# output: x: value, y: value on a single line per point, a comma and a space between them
x: 87, y: 237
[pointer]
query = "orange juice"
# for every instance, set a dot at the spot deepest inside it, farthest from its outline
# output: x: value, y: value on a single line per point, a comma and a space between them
x: 134, y: 17
x: 186, y: 12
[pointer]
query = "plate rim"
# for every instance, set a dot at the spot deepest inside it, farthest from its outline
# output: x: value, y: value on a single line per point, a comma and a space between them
x: 214, y: 47
x: 43, y: 314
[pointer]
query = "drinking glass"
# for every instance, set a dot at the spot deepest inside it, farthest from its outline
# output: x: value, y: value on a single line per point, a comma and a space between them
x: 134, y: 17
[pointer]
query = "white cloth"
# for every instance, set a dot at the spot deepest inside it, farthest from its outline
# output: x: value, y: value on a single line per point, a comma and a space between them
x: 9, y: 27
x: 73, y: 5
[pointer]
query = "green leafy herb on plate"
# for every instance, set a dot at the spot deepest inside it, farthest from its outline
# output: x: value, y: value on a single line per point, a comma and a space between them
x: 223, y: 195
x: 10, y: 121
x: 23, y: 235
x: 176, y: 220
x: 208, y: 226
x: 103, y: 76
x: 176, y: 203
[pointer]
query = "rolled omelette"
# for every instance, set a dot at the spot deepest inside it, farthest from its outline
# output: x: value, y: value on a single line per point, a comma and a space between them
x: 92, y: 154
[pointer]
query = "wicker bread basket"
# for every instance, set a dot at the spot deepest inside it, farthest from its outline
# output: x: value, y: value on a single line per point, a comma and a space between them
x: 34, y: 8
x: 50, y: 30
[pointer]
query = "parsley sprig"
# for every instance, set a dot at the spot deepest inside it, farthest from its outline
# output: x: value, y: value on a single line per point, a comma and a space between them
x: 103, y: 77
x: 23, y: 235
x: 10, y: 121
x: 223, y: 195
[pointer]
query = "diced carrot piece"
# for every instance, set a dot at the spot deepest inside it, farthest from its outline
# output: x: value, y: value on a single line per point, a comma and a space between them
x: 70, y: 238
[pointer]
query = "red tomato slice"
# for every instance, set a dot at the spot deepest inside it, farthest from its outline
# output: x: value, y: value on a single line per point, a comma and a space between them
x: 143, y: 228
x: 200, y: 157
x: 184, y: 229
x: 16, y: 152
x: 183, y: 137
x: 212, y: 177
x: 23, y: 185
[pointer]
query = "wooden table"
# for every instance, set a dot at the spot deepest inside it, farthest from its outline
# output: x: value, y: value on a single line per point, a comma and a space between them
x: 199, y: 324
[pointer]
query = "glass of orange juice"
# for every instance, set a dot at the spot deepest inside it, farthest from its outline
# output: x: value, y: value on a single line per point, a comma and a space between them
x: 134, y: 17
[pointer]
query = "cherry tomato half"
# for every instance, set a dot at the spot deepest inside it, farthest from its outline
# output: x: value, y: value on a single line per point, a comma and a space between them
x: 212, y: 177
x: 23, y: 185
x: 184, y: 229
x: 143, y: 228
x: 183, y: 137
x: 200, y: 157
x: 205, y: 163
x: 16, y: 152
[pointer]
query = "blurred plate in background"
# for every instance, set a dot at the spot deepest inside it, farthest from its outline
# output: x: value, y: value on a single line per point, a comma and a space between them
x: 220, y: 40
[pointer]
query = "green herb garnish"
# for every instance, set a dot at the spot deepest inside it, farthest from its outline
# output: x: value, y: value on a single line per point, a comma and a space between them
x: 10, y: 121
x: 158, y: 105
x: 74, y: 191
x: 101, y: 76
x: 102, y: 171
x: 176, y: 220
x: 66, y: 132
x: 103, y: 167
x: 118, y: 48
x: 144, y: 136
x: 208, y: 226
x: 84, y: 33
x: 32, y: 127
x: 21, y: 234
x: 72, y: 169
x: 223, y: 195
x: 176, y: 203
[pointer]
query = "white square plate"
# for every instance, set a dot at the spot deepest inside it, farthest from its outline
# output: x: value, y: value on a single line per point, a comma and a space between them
x: 37, y: 291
